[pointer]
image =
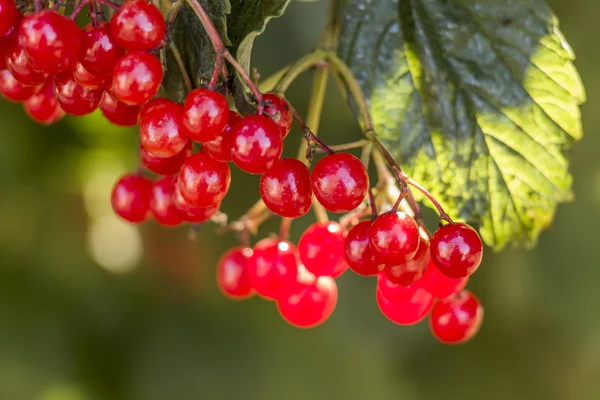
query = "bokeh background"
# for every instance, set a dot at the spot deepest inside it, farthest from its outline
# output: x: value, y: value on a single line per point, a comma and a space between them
x: 92, y: 308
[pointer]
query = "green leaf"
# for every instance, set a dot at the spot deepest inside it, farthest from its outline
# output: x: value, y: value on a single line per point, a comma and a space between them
x: 477, y: 100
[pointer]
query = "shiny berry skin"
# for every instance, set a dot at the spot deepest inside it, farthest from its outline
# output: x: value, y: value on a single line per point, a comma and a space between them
x: 88, y: 80
x: 310, y: 302
x: 279, y: 110
x: 403, y: 305
x: 439, y: 285
x: 321, y: 249
x: 394, y: 238
x: 8, y: 16
x: 357, y: 252
x: 73, y: 98
x: 204, y: 181
x: 257, y: 144
x: 165, y: 166
x: 161, y: 203
x: 205, y: 114
x: 190, y: 213
x: 340, y: 182
x: 12, y: 31
x: 408, y: 272
x: 21, y: 69
x: 220, y: 148
x: 99, y: 50
x: 43, y: 107
x: 138, y: 25
x: 273, y: 267
x: 161, y: 132
x: 136, y: 78
x: 131, y: 198
x: 456, y: 319
x: 456, y: 250
x: 13, y: 90
x: 119, y: 113
x: 52, y: 42
x: 285, y: 188
x: 232, y: 273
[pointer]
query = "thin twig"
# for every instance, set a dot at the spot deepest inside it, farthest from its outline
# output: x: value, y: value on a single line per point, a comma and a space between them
x: 179, y: 60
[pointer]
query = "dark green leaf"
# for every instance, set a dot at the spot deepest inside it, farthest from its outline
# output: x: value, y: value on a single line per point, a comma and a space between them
x: 477, y: 99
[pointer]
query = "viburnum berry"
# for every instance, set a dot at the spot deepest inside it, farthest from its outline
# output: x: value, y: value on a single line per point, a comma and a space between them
x: 285, y: 188
x: 411, y: 270
x: 161, y: 203
x: 8, y: 16
x: 131, y: 197
x: 43, y: 107
x: 279, y: 110
x: 439, y: 285
x: 204, y: 181
x: 13, y: 90
x: 321, y: 249
x: 161, y: 132
x: 456, y: 319
x: 456, y: 250
x: 21, y: 69
x: 232, y: 273
x: 357, y: 251
x: 394, y: 237
x: 138, y: 25
x: 190, y: 213
x: 310, y: 301
x: 136, y: 78
x: 11, y: 32
x: 403, y: 305
x: 165, y: 166
x: 257, y: 144
x: 73, y: 98
x: 117, y: 112
x: 340, y: 182
x: 220, y: 148
x: 99, y: 50
x: 52, y: 41
x: 273, y: 268
x: 88, y: 80
x: 205, y: 114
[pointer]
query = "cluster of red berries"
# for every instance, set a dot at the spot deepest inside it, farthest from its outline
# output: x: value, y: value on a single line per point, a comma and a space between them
x: 53, y: 67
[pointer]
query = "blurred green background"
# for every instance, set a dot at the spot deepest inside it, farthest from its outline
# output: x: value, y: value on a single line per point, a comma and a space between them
x: 92, y: 308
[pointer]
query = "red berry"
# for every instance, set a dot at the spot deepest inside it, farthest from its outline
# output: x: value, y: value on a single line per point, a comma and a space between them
x: 189, y: 213
x: 403, y: 305
x: 340, y: 182
x: 257, y: 144
x: 161, y: 132
x: 138, y: 25
x: 310, y: 302
x: 273, y: 268
x: 321, y: 249
x: 52, y: 42
x: 12, y: 31
x: 136, y: 78
x: 408, y: 272
x: 439, y: 285
x: 43, y: 107
x: 220, y: 148
x: 358, y: 254
x: 8, y: 16
x: 119, y: 113
x: 165, y: 166
x: 232, y: 273
x: 88, y: 80
x: 204, y: 181
x: 285, y: 188
x: 74, y: 98
x: 456, y: 250
x: 205, y: 114
x: 12, y: 90
x: 99, y: 50
x: 394, y: 238
x: 456, y: 319
x: 21, y: 69
x: 131, y: 198
x: 279, y: 110
x: 162, y: 206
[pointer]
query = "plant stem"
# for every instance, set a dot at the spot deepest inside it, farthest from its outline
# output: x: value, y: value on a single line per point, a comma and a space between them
x: 177, y: 55
x: 284, y: 228
x: 346, y: 146
x: 293, y: 71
